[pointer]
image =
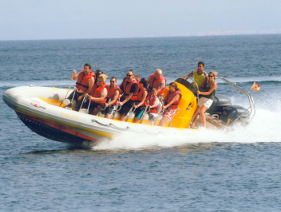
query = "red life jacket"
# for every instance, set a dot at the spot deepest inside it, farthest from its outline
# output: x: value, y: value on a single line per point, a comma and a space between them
x: 152, y: 100
x: 140, y: 96
x: 111, y: 92
x: 96, y: 92
x: 155, y: 83
x: 83, y: 80
x: 127, y: 87
x: 169, y: 98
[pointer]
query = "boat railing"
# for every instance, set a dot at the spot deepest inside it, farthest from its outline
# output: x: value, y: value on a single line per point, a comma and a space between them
x: 67, y: 94
x: 251, y: 109
x: 131, y: 110
x: 82, y: 103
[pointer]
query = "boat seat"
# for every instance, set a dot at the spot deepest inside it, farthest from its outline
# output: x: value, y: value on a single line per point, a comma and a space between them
x: 116, y: 115
x: 66, y: 102
x: 84, y: 110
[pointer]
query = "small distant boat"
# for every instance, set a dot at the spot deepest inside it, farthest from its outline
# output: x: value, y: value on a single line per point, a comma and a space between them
x: 42, y: 110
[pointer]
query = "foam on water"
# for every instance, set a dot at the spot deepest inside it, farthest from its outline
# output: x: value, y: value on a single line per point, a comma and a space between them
x: 265, y: 127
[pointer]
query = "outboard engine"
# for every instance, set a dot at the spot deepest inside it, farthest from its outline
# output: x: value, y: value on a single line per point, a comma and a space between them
x: 233, y: 112
x: 220, y: 102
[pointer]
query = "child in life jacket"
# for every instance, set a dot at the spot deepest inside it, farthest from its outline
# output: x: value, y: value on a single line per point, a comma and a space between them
x: 153, y: 103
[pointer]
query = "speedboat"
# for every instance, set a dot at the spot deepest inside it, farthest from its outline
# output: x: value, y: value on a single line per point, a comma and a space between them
x: 44, y: 111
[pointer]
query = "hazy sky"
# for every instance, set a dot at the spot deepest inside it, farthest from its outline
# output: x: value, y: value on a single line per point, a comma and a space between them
x: 71, y: 19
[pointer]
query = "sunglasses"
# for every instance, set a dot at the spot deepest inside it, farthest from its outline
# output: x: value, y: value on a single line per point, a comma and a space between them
x: 128, y: 75
x: 112, y: 81
x: 210, y: 75
x: 100, y: 81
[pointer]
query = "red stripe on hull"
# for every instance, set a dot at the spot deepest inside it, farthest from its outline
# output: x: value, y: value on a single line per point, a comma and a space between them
x: 58, y: 126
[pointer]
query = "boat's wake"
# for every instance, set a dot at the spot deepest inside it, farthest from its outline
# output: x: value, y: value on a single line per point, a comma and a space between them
x: 265, y: 127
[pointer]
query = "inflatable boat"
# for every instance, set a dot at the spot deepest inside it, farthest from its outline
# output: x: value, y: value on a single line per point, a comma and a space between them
x: 42, y: 109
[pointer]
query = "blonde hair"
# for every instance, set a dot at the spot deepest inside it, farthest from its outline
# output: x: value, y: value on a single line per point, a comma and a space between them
x: 214, y: 73
x: 103, y: 77
x: 154, y: 89
x: 137, y: 77
x: 159, y: 71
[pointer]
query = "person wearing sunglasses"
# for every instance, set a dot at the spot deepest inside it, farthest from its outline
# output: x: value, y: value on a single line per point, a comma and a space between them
x: 206, y: 98
x: 97, y: 95
x: 129, y: 86
x: 199, y: 76
x: 114, y: 92
x: 158, y: 81
x: 84, y: 84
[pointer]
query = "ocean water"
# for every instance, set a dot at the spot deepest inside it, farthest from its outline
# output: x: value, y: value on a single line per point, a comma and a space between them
x: 237, y: 170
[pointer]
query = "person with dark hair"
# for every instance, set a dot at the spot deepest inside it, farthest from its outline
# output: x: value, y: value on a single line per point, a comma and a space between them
x: 129, y: 86
x: 171, y: 103
x: 97, y: 95
x: 97, y: 73
x: 85, y: 82
x: 158, y: 81
x: 141, y: 101
x: 205, y: 99
x: 114, y: 92
x: 199, y: 76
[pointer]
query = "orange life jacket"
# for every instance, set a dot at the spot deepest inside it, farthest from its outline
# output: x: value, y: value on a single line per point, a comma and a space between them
x: 96, y: 92
x: 169, y: 98
x: 152, y: 100
x: 83, y: 80
x: 140, y: 96
x: 111, y: 92
x: 155, y: 83
x: 127, y: 87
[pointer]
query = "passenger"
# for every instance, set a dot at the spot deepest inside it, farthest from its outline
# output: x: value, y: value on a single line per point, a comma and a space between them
x: 84, y: 84
x: 141, y: 101
x: 200, y: 76
x: 97, y: 95
x: 158, y: 81
x: 205, y: 99
x: 171, y: 102
x: 153, y: 103
x: 97, y: 73
x: 137, y: 77
x: 129, y: 86
x: 113, y: 95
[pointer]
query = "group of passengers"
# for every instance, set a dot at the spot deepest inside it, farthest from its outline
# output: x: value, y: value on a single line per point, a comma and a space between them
x: 138, y: 94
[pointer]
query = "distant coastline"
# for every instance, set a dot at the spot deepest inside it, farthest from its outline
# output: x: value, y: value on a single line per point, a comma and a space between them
x: 175, y: 36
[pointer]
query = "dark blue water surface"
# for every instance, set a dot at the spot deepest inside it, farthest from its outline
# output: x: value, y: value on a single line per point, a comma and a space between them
x: 238, y: 170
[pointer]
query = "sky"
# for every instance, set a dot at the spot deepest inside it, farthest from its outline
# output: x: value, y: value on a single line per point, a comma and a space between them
x: 80, y: 19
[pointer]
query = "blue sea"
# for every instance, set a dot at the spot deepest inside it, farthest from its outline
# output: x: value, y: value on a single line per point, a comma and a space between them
x: 236, y: 170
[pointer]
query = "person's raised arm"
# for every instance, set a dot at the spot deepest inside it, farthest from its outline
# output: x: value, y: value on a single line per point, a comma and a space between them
x: 188, y: 76
x: 74, y: 76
